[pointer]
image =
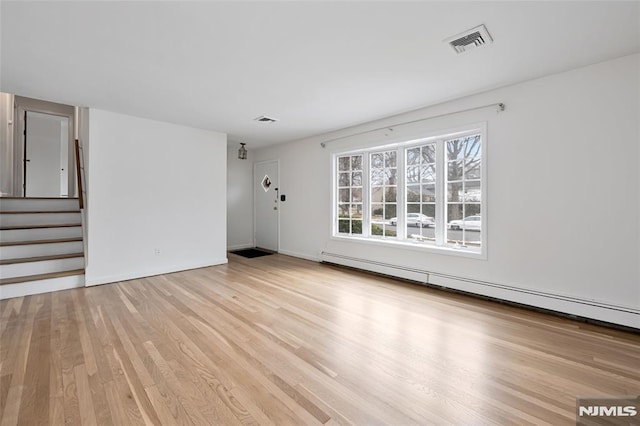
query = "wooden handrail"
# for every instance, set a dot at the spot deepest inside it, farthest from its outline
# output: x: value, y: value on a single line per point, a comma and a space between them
x: 79, y: 175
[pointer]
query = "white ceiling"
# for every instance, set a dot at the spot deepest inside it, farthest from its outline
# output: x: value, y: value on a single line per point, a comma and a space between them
x: 316, y: 66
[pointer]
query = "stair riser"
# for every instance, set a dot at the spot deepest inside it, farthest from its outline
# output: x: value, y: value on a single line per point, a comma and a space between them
x: 40, y: 234
x: 31, y: 204
x: 36, y: 250
x: 42, y: 267
x: 44, y: 286
x: 39, y: 219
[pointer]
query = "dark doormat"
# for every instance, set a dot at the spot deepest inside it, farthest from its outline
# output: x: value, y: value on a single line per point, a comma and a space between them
x: 251, y: 253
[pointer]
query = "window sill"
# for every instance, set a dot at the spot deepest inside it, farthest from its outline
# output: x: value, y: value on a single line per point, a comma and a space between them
x: 416, y: 246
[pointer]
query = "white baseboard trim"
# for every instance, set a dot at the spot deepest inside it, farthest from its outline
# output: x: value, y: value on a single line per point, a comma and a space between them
x: 9, y: 291
x: 574, y: 306
x: 143, y: 273
x: 240, y: 247
x: 300, y: 255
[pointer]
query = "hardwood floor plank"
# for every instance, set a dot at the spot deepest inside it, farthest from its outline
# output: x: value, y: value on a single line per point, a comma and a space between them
x: 34, y: 406
x: 282, y: 341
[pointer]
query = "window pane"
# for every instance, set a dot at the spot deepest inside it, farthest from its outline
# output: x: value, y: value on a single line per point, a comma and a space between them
x: 356, y: 211
x: 343, y: 195
x: 429, y: 210
x: 390, y: 194
x: 377, y: 212
x: 343, y: 164
x: 413, y: 174
x: 377, y: 194
x: 356, y: 195
x: 428, y: 173
x: 454, y: 192
x: 343, y: 179
x: 455, y: 150
x: 376, y: 229
x: 471, y: 209
x: 388, y: 232
x: 454, y: 170
x: 472, y: 160
x: 356, y: 227
x: 413, y: 156
x: 356, y: 162
x: 343, y: 226
x: 429, y: 153
x: 343, y: 210
x: 356, y: 179
x: 429, y: 193
x: 390, y: 158
x: 454, y: 212
x: 390, y: 177
x: 413, y: 193
x: 389, y: 211
x: 472, y: 148
x: 474, y: 172
x: 413, y: 208
x: 377, y: 177
x: 377, y: 160
x: 472, y: 191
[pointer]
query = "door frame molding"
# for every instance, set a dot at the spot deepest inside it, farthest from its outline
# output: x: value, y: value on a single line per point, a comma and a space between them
x: 22, y: 105
x: 255, y: 187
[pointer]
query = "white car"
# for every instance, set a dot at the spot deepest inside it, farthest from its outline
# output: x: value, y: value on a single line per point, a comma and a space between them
x: 415, y: 219
x: 470, y: 223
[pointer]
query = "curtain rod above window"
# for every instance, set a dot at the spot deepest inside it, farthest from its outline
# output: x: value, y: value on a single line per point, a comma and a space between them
x: 499, y: 107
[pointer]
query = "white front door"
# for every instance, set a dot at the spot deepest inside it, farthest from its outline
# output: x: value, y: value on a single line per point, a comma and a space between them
x: 266, y: 204
x: 46, y: 171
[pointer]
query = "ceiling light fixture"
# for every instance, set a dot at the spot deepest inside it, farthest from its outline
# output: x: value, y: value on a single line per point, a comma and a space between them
x: 265, y: 119
x: 242, y: 152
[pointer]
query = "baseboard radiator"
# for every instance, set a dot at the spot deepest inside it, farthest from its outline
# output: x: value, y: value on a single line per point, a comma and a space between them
x: 578, y: 308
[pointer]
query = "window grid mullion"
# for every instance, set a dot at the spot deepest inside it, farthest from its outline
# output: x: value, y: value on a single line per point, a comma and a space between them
x: 366, y: 196
x: 441, y: 194
x: 401, y: 211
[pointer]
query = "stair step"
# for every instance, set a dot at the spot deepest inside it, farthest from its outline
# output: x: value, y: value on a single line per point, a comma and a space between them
x: 61, y: 225
x: 39, y: 232
x: 41, y: 277
x: 39, y: 217
x: 30, y: 204
x: 38, y: 198
x: 40, y: 258
x: 39, y: 211
x: 37, y: 250
x: 20, y: 243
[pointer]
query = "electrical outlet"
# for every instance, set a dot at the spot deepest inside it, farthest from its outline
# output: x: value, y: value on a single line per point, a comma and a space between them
x: 157, y: 252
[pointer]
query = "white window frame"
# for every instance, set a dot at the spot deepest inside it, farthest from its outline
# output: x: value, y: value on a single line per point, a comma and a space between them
x: 400, y: 241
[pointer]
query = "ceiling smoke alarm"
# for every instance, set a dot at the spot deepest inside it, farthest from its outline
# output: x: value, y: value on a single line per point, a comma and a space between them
x: 265, y: 119
x: 470, y: 39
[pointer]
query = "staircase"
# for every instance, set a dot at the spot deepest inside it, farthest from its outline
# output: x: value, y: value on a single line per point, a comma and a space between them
x: 41, y: 247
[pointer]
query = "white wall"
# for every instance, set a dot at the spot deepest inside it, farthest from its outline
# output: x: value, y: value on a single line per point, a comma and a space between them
x: 563, y: 194
x: 153, y: 185
x: 239, y: 205
x: 6, y: 144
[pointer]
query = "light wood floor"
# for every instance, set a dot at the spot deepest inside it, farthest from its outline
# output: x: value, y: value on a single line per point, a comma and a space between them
x: 277, y: 340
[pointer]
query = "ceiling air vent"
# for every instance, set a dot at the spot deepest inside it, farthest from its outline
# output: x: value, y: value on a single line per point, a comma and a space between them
x: 470, y: 39
x: 265, y: 119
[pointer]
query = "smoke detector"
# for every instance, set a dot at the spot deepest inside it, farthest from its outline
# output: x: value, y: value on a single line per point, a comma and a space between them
x: 265, y: 119
x: 470, y: 39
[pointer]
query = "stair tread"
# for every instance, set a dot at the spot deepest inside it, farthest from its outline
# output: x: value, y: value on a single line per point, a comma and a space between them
x: 40, y: 258
x: 60, y: 225
x: 16, y: 280
x: 38, y: 198
x: 39, y: 211
x: 56, y: 240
